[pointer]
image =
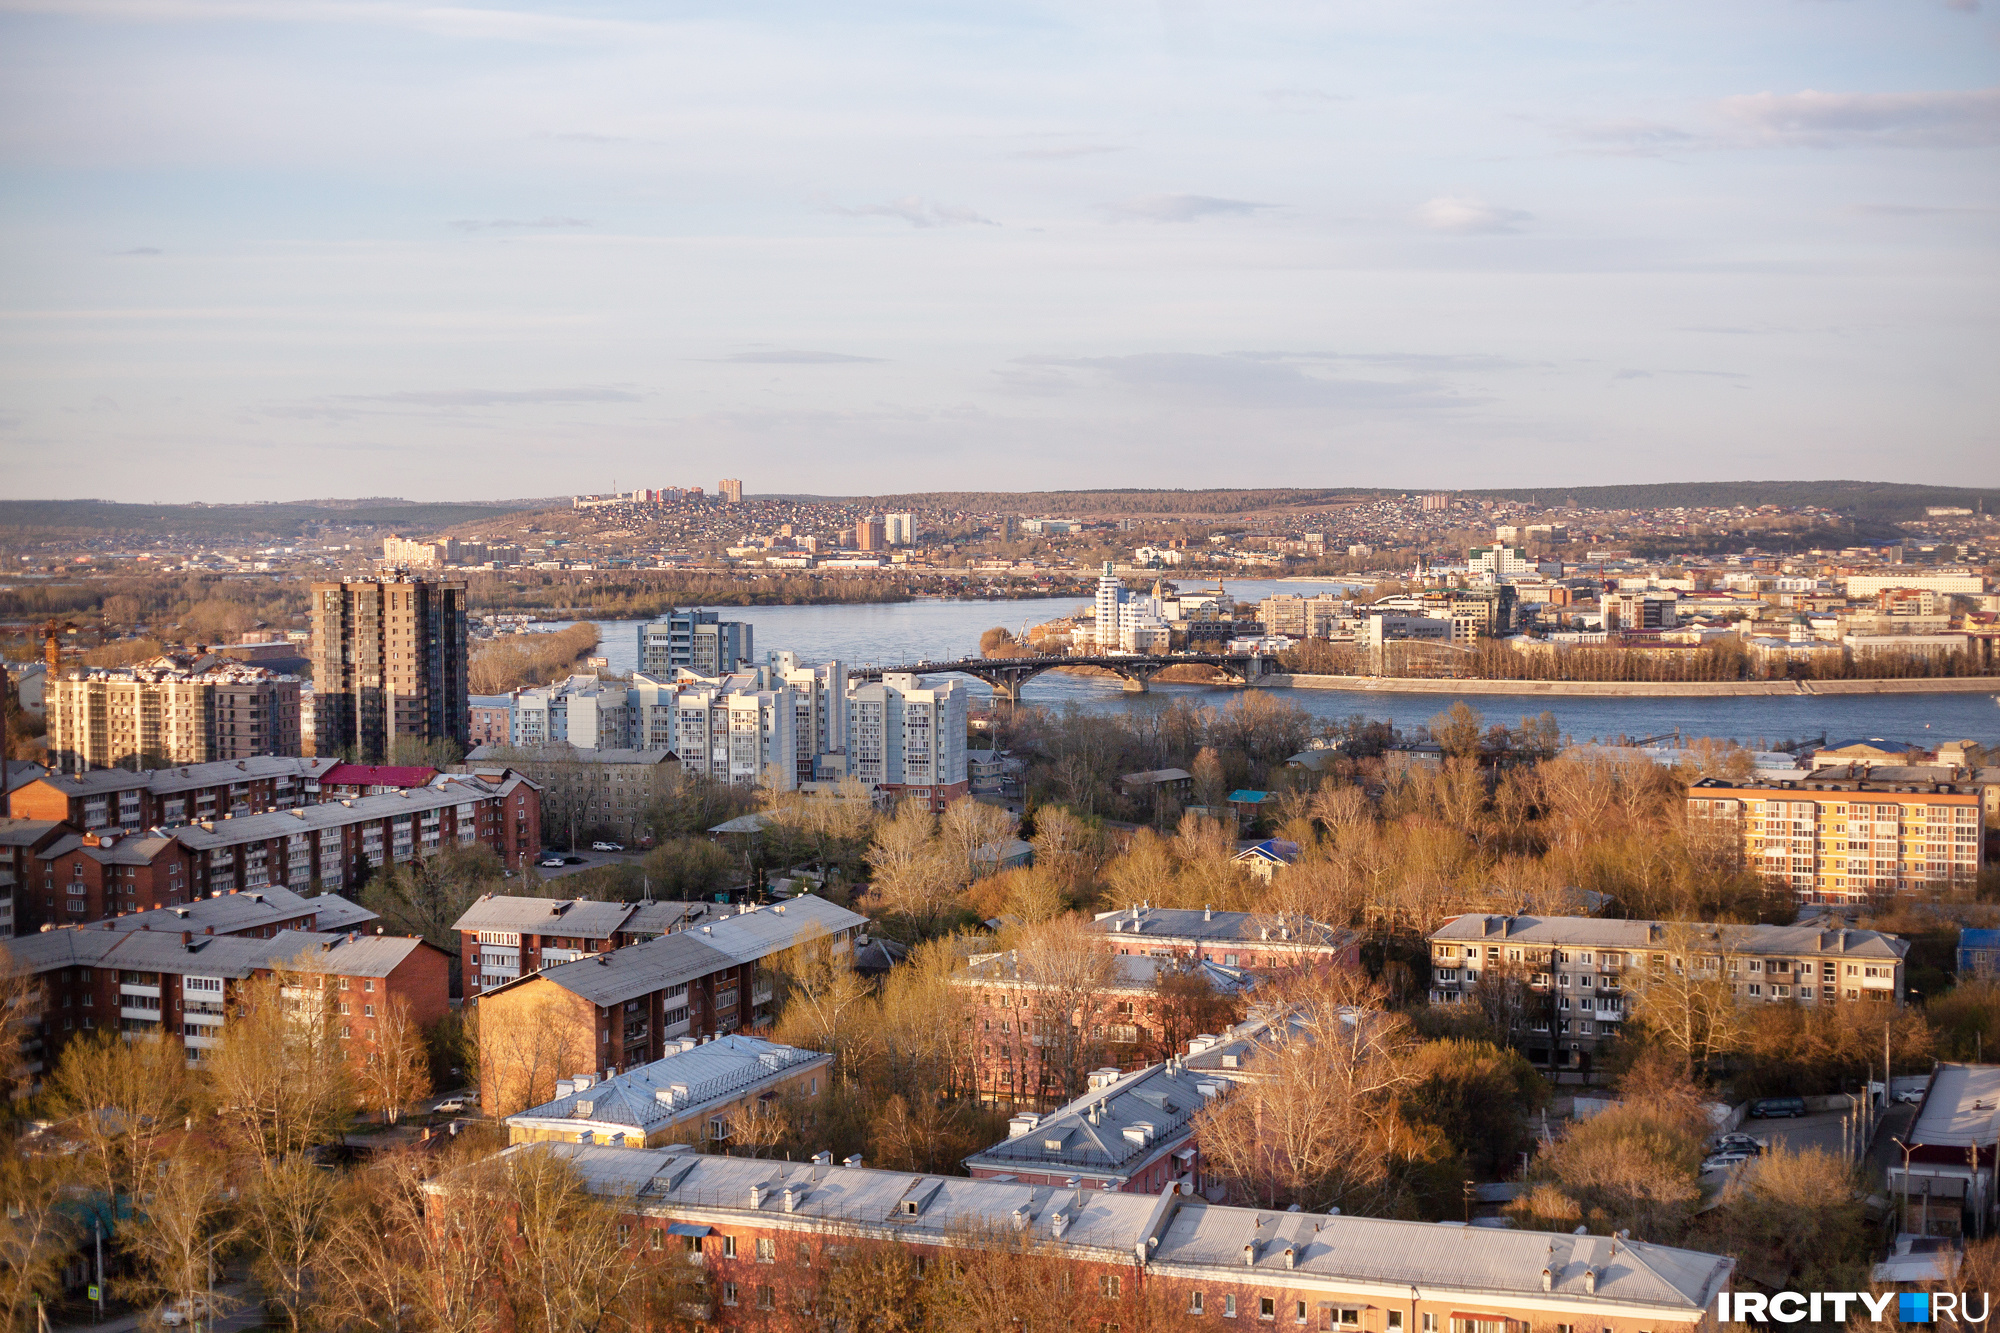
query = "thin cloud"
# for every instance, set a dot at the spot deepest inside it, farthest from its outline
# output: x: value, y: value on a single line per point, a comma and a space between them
x: 1184, y: 208
x: 798, y: 358
x: 1812, y: 119
x: 516, y: 224
x: 1469, y: 216
x: 915, y: 210
x: 1631, y: 137
x: 1232, y: 380
x: 495, y: 397
x: 141, y: 250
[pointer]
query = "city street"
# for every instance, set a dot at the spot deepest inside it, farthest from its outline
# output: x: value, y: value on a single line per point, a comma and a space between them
x: 591, y: 860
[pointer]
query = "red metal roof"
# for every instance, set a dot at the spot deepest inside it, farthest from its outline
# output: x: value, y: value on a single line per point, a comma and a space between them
x: 376, y: 775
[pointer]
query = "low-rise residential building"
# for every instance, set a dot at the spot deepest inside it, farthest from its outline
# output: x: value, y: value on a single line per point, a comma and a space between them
x: 254, y: 914
x: 615, y: 1008
x: 21, y: 871
x: 1253, y: 941
x: 491, y: 720
x: 340, y: 844
x: 768, y: 1234
x: 1121, y: 1020
x: 1978, y: 953
x: 1846, y: 840
x: 585, y: 793
x: 88, y: 876
x: 177, y: 984
x: 1567, y: 983
x: 1132, y: 1132
x: 372, y: 779
x: 121, y: 799
x: 698, y: 1091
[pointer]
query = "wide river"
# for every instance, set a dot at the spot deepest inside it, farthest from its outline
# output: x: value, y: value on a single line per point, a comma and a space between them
x: 939, y: 630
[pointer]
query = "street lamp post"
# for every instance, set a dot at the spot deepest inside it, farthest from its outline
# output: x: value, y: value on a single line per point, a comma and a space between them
x: 1904, y: 1214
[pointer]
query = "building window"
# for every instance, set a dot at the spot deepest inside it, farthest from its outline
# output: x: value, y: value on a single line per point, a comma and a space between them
x: 1228, y: 1306
x: 729, y: 1293
x: 764, y: 1301
x: 1108, y: 1286
x: 1194, y: 1303
x: 729, y: 1247
x: 767, y: 1250
x: 1267, y: 1307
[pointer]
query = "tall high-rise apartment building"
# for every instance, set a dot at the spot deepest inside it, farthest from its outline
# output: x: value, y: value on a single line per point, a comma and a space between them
x: 901, y: 529
x: 701, y: 641
x: 871, y: 534
x: 162, y: 714
x: 908, y: 739
x: 732, y: 490
x: 389, y: 663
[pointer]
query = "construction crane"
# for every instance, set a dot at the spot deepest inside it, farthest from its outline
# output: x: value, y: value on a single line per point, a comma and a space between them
x: 52, y: 643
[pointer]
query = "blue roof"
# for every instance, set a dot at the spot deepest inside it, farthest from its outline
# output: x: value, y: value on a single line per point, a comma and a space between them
x: 1979, y: 939
x: 1244, y: 796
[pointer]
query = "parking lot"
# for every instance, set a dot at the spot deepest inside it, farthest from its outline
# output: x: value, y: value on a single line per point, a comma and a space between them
x: 588, y: 860
x: 1811, y: 1131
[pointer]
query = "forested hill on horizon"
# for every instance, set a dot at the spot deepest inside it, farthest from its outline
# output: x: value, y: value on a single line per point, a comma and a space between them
x: 1865, y: 499
x: 1874, y: 501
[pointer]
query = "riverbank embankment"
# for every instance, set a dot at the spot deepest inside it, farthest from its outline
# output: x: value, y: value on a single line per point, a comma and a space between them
x: 1693, y: 689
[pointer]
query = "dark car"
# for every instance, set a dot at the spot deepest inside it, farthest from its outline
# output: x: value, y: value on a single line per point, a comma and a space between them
x: 1771, y: 1108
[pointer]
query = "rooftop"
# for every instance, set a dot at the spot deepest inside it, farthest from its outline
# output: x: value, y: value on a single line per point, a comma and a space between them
x: 231, y: 912
x: 1120, y: 1123
x: 1824, y: 937
x: 652, y: 1095
x: 1961, y: 1108
x: 1354, y: 1255
x: 376, y: 775
x: 1174, y: 924
x: 545, y: 916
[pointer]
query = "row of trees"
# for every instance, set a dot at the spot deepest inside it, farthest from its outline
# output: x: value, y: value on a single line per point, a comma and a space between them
x: 514, y: 661
x: 188, y: 1164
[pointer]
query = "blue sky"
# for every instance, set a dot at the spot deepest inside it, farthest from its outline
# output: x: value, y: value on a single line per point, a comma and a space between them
x: 268, y: 249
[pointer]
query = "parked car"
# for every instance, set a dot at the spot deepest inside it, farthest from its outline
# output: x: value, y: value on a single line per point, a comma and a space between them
x: 181, y: 1313
x: 1771, y: 1108
x: 1910, y: 1096
x: 607, y: 846
x: 552, y: 862
x: 1723, y: 1161
x: 449, y: 1106
x: 1739, y: 1143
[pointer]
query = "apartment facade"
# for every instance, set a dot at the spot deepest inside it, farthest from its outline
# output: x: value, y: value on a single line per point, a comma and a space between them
x: 1568, y: 983
x: 161, y: 797
x: 906, y: 739
x: 389, y: 663
x: 162, y: 714
x: 768, y: 1234
x: 584, y: 791
x: 338, y: 845
x: 1846, y: 840
x: 1010, y: 1005
x: 178, y: 984
x: 699, y: 641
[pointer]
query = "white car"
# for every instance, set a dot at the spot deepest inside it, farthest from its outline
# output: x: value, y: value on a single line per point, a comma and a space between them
x: 607, y: 846
x: 552, y: 862
x: 1910, y: 1096
x: 180, y: 1313
x: 1723, y: 1161
x: 449, y: 1106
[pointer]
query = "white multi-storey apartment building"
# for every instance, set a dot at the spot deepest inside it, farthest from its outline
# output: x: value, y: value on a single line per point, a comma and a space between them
x: 582, y: 710
x: 907, y: 739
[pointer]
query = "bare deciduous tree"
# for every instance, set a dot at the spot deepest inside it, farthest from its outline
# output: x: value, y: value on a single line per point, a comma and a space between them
x: 394, y: 1069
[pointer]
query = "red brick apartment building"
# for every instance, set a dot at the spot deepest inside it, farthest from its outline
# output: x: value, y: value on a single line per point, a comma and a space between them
x: 177, y: 984
x: 766, y: 1235
x: 1254, y: 941
x: 1122, y: 1022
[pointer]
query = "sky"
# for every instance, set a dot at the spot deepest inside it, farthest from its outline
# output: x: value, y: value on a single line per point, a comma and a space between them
x: 278, y: 249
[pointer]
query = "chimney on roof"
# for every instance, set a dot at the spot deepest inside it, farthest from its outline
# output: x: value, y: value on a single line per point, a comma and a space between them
x: 187, y: 939
x: 1590, y: 1281
x: 208, y: 930
x: 1249, y: 1251
x: 1291, y: 1257
x: 1207, y: 912
x: 853, y: 1161
x: 1548, y: 1279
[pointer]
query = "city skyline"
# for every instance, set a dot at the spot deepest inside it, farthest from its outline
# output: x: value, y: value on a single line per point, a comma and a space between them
x: 430, y: 251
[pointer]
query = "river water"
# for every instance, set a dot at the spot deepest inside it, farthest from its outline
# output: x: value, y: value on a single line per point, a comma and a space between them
x: 939, y: 630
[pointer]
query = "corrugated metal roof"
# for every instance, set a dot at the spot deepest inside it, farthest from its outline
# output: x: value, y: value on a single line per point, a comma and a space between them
x: 759, y: 932
x: 1171, y: 925
x: 25, y: 832
x: 332, y: 814
x: 710, y: 1072
x: 226, y: 912
x: 1474, y: 1265
x: 1090, y: 1132
x: 165, y: 781
x: 1961, y: 1109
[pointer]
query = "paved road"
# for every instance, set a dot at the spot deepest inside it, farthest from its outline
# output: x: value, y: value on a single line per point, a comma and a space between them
x: 248, y: 1315
x: 1811, y: 1131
